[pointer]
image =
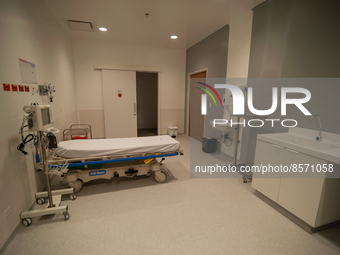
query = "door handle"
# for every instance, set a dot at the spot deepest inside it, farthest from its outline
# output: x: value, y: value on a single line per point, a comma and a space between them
x: 134, y: 109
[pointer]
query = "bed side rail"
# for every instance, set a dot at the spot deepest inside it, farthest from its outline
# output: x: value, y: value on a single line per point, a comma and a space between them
x: 57, y: 162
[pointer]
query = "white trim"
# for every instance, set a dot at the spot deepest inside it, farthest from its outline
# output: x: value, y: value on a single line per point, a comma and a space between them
x: 159, y: 105
x: 188, y: 94
x: 127, y: 68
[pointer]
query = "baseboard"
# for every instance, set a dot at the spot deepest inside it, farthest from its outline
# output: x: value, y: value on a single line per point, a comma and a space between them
x: 305, y: 226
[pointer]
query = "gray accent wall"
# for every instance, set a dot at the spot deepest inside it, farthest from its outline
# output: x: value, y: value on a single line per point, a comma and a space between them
x: 297, y: 39
x: 210, y: 53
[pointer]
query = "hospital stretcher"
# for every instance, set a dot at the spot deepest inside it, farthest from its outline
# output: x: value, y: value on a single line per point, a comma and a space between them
x: 89, y: 159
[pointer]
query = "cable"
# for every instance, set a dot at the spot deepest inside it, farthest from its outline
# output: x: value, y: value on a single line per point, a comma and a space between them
x: 227, y: 137
x: 231, y: 142
x: 227, y: 108
x: 26, y: 140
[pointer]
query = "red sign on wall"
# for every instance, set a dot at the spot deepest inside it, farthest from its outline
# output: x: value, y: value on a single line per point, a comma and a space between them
x: 6, y: 87
x: 14, y: 87
x: 21, y: 88
x: 27, y: 88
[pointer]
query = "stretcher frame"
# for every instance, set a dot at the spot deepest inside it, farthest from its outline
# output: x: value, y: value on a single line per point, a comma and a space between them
x: 77, y: 130
x: 78, y: 171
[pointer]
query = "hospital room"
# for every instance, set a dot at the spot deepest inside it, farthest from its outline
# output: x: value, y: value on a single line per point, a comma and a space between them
x: 170, y: 127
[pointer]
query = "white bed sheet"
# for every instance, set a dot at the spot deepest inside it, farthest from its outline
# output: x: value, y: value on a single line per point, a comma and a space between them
x: 84, y: 148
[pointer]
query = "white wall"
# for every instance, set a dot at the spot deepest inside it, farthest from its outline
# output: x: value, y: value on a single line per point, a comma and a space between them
x: 29, y: 31
x: 240, y: 27
x: 89, y: 85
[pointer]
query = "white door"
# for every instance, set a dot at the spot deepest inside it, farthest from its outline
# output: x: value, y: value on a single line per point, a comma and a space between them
x: 120, y: 109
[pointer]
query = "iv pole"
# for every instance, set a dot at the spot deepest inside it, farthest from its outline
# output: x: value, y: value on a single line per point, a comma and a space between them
x: 48, y: 182
x: 51, y: 208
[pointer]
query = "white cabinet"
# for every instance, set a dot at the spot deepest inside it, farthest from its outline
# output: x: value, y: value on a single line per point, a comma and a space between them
x: 301, y: 196
x: 268, y: 154
x: 309, y: 199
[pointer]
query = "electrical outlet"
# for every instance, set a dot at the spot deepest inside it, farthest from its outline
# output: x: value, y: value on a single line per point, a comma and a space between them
x: 8, y: 211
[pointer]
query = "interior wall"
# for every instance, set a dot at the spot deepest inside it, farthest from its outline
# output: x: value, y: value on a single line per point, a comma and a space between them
x: 89, y: 85
x: 240, y: 27
x: 297, y: 39
x: 210, y: 53
x: 147, y: 104
x: 29, y: 31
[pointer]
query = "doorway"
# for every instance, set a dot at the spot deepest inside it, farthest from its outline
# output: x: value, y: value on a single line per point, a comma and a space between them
x: 196, y: 119
x: 122, y: 116
x: 147, y: 103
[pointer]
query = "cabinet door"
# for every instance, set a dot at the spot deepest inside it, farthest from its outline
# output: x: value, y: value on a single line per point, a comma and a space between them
x: 268, y: 154
x: 301, y: 196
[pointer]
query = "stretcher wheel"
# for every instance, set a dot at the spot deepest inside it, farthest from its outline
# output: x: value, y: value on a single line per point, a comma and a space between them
x: 26, y: 222
x: 66, y: 215
x: 40, y: 200
x: 73, y: 196
x: 160, y: 176
x: 77, y: 185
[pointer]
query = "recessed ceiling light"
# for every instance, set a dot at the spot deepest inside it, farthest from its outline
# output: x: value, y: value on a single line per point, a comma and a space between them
x: 103, y: 29
x: 174, y: 37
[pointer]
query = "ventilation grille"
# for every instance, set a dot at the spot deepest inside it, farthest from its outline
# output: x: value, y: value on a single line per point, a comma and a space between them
x: 80, y: 25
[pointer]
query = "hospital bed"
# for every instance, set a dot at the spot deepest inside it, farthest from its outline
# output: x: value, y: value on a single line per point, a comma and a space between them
x: 85, y: 160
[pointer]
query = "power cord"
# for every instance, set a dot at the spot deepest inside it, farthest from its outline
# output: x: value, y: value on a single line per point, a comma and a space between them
x: 26, y: 140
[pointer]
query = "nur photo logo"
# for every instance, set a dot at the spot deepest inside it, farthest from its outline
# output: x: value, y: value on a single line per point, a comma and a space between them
x: 238, y: 102
x: 204, y: 97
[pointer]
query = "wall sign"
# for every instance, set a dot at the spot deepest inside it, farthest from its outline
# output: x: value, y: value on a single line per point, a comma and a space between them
x: 27, y: 71
x: 7, y: 87
x: 14, y: 87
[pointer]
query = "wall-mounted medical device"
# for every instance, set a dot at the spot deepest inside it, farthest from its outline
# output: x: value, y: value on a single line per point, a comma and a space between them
x: 40, y: 117
x: 46, y: 90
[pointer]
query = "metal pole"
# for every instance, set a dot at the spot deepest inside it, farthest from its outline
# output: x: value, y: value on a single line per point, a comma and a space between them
x: 43, y: 152
x: 237, y: 136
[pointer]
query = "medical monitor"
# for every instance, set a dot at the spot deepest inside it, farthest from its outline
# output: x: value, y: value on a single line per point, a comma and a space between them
x: 40, y: 117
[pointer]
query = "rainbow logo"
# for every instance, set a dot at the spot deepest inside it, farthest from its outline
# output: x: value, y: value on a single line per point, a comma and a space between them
x: 213, y: 90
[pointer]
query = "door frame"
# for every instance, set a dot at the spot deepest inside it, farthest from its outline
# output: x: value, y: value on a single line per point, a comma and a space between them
x: 188, y: 95
x: 138, y: 69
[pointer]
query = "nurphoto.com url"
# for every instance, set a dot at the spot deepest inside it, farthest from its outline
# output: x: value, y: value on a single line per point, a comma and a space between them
x: 263, y: 169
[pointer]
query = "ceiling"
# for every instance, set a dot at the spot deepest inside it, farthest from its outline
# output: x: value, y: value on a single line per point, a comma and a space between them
x: 190, y: 20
